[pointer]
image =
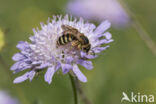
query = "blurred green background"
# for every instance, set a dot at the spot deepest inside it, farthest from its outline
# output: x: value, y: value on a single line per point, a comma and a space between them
x: 127, y: 66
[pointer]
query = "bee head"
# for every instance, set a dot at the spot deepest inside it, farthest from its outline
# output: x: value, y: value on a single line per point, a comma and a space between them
x: 87, y: 48
x: 85, y: 39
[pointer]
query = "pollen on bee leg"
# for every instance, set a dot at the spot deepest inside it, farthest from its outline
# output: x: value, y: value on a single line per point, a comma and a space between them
x: 79, y: 46
x: 75, y: 43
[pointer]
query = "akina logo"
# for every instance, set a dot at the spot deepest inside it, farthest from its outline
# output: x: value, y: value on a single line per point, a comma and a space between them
x: 138, y: 97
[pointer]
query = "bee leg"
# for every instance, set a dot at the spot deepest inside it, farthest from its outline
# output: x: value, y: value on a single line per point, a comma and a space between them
x: 79, y: 46
x: 75, y: 43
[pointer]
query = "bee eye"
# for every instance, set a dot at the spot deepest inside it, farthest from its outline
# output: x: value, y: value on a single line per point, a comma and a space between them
x: 85, y: 39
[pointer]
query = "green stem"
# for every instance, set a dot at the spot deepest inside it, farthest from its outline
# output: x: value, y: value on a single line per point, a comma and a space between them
x: 145, y: 37
x: 81, y: 92
x: 78, y: 88
x: 74, y: 88
x: 141, y: 31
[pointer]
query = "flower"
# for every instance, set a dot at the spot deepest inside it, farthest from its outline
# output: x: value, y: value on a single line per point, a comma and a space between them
x: 43, y: 52
x: 99, y: 10
x: 5, y: 98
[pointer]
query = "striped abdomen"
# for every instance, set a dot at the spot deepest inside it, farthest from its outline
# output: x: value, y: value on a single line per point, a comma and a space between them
x: 64, y: 39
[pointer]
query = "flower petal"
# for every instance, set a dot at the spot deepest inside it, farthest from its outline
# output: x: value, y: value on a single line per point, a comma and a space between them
x: 18, y: 57
x: 58, y: 66
x: 42, y: 66
x: 107, y: 35
x: 24, y: 77
x: 66, y: 68
x: 15, y: 66
x: 49, y: 74
x: 99, y: 49
x: 79, y: 74
x: 85, y: 55
x: 69, y: 59
x: 87, y: 64
x: 101, y: 42
x: 20, y: 65
x: 22, y: 45
x: 31, y: 75
x: 102, y: 27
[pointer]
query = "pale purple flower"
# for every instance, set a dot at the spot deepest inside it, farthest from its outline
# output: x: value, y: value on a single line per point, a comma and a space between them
x: 99, y: 10
x: 5, y: 98
x: 42, y: 51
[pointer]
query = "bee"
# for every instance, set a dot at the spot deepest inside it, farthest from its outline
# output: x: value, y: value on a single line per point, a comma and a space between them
x: 77, y: 39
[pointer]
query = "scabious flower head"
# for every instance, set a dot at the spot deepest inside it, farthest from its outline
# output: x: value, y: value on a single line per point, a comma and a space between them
x: 5, y: 98
x: 99, y: 10
x: 42, y: 52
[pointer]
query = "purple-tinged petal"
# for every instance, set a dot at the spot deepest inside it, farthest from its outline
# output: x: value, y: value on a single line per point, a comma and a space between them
x: 36, y: 63
x: 101, y: 42
x: 79, y: 74
x: 32, y: 38
x: 31, y: 75
x: 66, y: 68
x: 99, y: 49
x: 58, y: 66
x: 53, y: 58
x: 87, y: 64
x: 107, y: 35
x: 91, y: 56
x: 102, y: 27
x: 49, y: 74
x: 20, y: 65
x: 18, y: 57
x: 15, y: 66
x: 85, y: 55
x: 69, y: 60
x: 22, y: 45
x: 22, y: 78
x: 109, y: 41
x: 42, y: 66
x: 91, y: 26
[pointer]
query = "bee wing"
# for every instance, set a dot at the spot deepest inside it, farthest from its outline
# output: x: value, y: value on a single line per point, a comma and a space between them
x: 69, y: 29
x: 66, y: 27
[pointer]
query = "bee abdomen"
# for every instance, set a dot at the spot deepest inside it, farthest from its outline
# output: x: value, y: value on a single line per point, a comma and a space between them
x: 64, y: 39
